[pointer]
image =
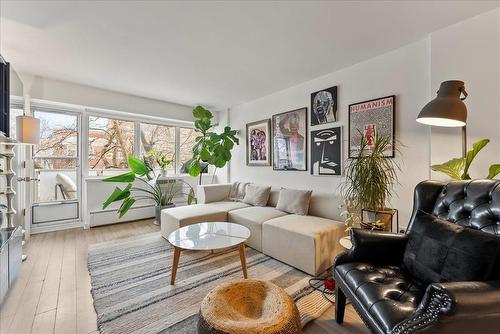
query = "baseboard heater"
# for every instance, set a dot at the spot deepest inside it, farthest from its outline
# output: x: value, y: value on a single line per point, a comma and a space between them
x: 110, y: 216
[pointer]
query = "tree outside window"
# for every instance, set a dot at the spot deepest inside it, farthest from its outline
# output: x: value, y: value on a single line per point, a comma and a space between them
x: 160, y: 138
x: 111, y: 141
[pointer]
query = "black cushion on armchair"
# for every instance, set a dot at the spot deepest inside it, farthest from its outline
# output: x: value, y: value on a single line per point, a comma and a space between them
x: 440, y: 251
x: 443, y: 276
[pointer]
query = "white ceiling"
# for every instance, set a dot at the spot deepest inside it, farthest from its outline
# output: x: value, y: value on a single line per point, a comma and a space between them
x: 215, y: 53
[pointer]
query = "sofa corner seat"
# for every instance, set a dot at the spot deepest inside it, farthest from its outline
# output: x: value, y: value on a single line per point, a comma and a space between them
x: 253, y: 217
x: 315, y: 241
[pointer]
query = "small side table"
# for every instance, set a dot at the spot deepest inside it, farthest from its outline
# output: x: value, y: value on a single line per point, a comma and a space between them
x: 346, y: 242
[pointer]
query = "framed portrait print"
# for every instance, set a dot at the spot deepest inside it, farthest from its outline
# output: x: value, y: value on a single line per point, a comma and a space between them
x: 324, y: 106
x: 326, y: 151
x: 258, y: 141
x: 290, y: 140
x: 371, y: 118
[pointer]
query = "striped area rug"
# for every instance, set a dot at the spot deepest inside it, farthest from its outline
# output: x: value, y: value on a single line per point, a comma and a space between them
x: 132, y: 292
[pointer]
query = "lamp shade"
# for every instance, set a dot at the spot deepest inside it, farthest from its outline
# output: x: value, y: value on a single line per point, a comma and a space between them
x: 28, y: 130
x: 448, y: 108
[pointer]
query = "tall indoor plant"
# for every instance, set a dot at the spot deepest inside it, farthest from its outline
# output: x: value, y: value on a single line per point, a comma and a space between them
x: 141, y: 171
x: 210, y: 147
x: 369, y: 179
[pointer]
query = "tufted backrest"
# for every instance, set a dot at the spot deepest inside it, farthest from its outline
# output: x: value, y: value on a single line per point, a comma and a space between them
x: 474, y: 204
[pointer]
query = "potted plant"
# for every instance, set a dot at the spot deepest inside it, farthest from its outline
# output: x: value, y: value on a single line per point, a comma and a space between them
x: 142, y: 171
x: 369, y: 180
x: 210, y: 147
x: 458, y: 168
x: 160, y: 159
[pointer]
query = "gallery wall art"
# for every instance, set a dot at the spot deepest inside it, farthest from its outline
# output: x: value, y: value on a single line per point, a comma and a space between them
x: 324, y: 106
x: 326, y: 154
x: 371, y: 118
x: 258, y: 140
x: 290, y: 140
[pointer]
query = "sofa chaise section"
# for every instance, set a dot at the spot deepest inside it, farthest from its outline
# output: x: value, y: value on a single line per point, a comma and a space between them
x: 174, y: 218
x: 308, y: 243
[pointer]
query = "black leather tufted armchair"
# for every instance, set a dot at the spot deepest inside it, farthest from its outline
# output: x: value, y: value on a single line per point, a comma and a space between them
x: 372, y: 275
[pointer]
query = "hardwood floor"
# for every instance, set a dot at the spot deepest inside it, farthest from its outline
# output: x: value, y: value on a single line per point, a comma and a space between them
x: 52, y: 291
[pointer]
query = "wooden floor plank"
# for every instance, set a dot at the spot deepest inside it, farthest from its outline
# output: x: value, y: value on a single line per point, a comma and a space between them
x: 52, y: 292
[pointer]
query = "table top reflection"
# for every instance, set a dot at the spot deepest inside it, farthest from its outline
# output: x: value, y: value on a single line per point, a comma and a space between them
x: 209, y: 236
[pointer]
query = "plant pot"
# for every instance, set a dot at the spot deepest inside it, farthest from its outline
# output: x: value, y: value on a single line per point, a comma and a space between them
x: 380, y: 220
x: 158, y: 209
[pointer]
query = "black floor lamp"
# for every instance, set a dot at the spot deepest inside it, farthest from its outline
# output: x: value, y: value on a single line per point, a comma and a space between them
x: 448, y: 109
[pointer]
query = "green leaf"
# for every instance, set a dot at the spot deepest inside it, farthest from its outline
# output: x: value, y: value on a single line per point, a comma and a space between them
x: 493, y: 171
x: 228, y: 144
x: 476, y: 147
x: 127, y: 203
x: 453, y: 168
x: 205, y: 154
x: 117, y: 195
x: 127, y: 177
x: 137, y: 165
x: 195, y: 168
x: 200, y: 112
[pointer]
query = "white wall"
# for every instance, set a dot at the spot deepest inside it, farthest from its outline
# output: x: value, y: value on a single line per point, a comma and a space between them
x: 61, y: 91
x: 466, y: 51
x: 402, y: 72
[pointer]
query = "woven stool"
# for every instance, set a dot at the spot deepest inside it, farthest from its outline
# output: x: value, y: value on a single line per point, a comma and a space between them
x: 248, y: 307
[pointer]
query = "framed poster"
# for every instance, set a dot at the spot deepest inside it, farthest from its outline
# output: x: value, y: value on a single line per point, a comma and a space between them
x: 326, y: 151
x: 259, y: 143
x: 370, y: 118
x: 290, y: 140
x: 324, y: 106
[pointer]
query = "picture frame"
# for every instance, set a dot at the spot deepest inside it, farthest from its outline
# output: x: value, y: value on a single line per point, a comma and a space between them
x: 289, y: 131
x: 371, y: 117
x: 324, y: 106
x: 326, y: 152
x: 258, y: 143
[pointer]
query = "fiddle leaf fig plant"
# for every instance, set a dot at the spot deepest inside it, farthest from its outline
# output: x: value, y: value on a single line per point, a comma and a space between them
x: 458, y: 168
x: 210, y: 147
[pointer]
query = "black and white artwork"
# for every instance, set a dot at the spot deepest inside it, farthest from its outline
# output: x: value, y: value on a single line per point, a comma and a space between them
x: 326, y: 154
x: 324, y: 106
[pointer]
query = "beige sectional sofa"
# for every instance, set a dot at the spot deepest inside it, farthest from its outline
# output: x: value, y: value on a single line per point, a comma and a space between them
x: 308, y: 243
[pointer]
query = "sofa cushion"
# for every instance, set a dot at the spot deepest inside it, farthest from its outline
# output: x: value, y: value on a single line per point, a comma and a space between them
x: 315, y: 241
x: 253, y: 217
x: 256, y: 195
x: 440, y: 251
x: 294, y: 201
x: 227, y: 205
x: 382, y: 290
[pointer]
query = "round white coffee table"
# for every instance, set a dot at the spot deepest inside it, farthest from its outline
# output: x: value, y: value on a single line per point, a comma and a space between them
x: 208, y: 237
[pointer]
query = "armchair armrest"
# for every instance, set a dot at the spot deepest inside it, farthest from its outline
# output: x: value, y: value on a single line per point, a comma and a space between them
x: 380, y: 248
x: 212, y: 193
x: 455, y: 307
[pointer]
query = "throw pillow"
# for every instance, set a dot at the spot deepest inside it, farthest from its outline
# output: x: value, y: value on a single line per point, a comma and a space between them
x: 256, y: 195
x: 294, y: 201
x: 440, y: 251
x: 237, y: 191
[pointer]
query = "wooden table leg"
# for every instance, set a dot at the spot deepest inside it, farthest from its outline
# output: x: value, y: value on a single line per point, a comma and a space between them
x: 243, y: 260
x: 177, y: 255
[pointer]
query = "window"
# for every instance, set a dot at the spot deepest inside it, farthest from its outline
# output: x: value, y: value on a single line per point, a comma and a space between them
x: 56, y: 157
x: 160, y: 138
x: 111, y: 141
x: 187, y: 138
